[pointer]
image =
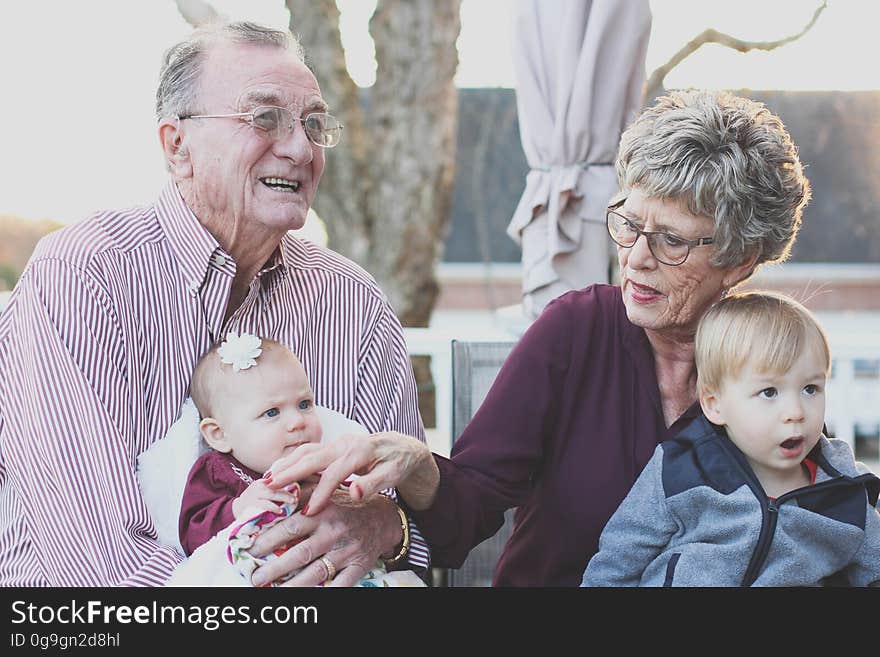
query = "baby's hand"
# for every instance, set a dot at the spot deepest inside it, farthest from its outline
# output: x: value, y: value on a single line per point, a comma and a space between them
x: 259, y: 497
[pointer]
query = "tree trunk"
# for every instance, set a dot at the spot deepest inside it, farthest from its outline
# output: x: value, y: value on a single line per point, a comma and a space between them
x: 415, y: 104
x: 342, y: 193
x: 387, y: 188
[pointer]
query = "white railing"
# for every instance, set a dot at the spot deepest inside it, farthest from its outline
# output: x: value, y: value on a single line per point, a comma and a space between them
x: 427, y: 342
x: 851, y: 401
x: 437, y: 343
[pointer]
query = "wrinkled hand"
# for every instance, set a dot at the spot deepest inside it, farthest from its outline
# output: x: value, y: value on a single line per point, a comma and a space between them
x: 259, y: 496
x: 352, y: 536
x: 383, y: 460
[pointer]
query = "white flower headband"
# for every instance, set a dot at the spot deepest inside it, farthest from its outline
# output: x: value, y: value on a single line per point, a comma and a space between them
x: 240, y: 351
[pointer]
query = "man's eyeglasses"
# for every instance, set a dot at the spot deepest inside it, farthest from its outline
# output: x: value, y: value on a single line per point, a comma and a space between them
x: 665, y: 247
x: 321, y: 128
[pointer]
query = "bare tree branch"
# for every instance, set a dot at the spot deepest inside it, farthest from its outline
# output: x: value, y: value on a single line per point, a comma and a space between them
x: 655, y: 82
x: 197, y: 12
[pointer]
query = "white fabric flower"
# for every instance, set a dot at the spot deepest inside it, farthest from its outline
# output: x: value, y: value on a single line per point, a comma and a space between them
x: 240, y: 351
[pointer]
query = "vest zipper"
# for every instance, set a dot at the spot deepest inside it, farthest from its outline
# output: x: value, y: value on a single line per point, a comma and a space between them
x: 770, y: 516
x: 770, y: 512
x: 770, y: 508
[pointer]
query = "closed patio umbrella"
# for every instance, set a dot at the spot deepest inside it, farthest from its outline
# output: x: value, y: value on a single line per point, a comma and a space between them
x: 580, y: 68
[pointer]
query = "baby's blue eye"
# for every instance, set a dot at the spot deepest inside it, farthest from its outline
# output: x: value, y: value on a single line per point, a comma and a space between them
x: 811, y: 389
x: 768, y: 393
x: 305, y: 404
x: 272, y: 412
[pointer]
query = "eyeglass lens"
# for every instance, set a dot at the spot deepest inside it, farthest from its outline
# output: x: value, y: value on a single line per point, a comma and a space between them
x: 322, y: 129
x: 667, y: 248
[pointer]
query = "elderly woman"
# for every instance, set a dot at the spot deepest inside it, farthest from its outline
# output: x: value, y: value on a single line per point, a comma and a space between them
x: 711, y: 188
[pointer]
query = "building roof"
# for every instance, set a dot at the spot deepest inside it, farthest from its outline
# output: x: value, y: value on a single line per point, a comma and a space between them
x: 837, y: 132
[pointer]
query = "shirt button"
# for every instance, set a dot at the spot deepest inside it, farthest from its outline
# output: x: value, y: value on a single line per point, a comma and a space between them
x: 219, y: 260
x: 194, y: 288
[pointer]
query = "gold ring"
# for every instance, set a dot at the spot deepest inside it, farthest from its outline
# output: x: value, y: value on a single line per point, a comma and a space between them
x: 331, y: 569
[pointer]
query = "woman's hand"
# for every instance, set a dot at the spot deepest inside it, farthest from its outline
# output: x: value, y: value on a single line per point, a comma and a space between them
x: 383, y: 460
x: 353, y: 531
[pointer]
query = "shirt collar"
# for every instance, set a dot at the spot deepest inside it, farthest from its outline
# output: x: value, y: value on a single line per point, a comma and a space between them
x: 191, y: 243
x: 811, y: 467
x: 276, y: 263
x: 274, y: 271
x: 195, y: 248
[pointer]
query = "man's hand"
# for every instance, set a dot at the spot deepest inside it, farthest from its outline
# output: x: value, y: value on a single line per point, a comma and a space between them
x: 259, y: 497
x: 352, y: 536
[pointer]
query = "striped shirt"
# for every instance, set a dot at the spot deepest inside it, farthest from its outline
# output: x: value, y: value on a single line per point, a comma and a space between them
x: 97, y: 346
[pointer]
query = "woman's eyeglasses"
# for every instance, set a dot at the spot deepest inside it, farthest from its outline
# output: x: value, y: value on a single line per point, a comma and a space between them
x: 665, y: 247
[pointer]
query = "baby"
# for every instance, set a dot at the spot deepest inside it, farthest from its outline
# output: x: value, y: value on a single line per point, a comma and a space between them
x: 252, y: 415
x: 256, y: 405
x: 751, y: 493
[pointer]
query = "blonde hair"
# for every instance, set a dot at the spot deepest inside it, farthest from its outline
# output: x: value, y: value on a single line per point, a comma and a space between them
x: 210, y: 370
x: 766, y: 328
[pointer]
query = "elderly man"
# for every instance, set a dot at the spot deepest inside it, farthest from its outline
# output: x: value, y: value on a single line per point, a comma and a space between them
x: 102, y: 332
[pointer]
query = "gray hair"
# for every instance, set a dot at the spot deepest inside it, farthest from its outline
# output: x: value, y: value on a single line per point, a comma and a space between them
x: 724, y: 157
x: 182, y: 65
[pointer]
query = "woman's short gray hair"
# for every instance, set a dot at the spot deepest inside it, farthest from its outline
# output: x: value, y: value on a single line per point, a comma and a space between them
x: 177, y: 93
x: 725, y: 157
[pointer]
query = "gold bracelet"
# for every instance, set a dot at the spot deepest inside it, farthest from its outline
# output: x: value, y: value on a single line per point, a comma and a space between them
x: 404, y: 548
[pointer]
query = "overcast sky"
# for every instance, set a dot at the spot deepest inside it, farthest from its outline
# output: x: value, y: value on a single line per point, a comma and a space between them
x: 77, y: 129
